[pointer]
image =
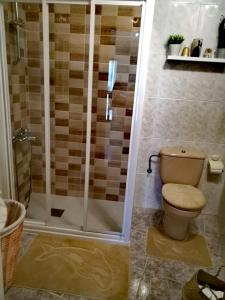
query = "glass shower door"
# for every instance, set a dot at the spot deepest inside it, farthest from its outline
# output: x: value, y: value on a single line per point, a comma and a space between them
x: 68, y: 51
x: 117, y: 29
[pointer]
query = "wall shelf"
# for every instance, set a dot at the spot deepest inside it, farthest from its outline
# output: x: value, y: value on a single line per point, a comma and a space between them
x: 196, y: 59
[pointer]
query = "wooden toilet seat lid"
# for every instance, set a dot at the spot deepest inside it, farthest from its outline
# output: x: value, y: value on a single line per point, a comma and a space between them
x: 183, y: 196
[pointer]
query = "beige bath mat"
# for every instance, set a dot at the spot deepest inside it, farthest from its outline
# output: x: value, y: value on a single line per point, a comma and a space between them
x: 81, y: 267
x: 194, y: 250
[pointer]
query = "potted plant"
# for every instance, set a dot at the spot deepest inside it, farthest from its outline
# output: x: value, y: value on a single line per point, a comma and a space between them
x: 174, y: 44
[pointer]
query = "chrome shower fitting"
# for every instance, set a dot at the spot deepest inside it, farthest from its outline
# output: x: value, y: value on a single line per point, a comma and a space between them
x: 17, y: 24
x: 22, y: 135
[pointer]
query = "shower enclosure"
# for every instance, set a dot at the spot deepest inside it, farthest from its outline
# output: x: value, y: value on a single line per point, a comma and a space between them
x: 72, y: 105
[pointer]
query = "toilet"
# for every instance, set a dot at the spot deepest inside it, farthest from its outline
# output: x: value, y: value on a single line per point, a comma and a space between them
x: 180, y: 171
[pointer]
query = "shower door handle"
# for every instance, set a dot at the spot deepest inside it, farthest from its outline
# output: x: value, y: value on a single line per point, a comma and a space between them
x: 110, y: 86
x: 108, y: 113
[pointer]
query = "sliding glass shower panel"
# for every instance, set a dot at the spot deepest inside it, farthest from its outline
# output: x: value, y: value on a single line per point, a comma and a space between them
x: 117, y: 30
x: 68, y: 33
x: 23, y: 24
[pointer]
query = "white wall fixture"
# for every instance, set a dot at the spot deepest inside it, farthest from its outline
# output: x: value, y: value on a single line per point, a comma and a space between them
x: 216, y: 165
x: 196, y: 59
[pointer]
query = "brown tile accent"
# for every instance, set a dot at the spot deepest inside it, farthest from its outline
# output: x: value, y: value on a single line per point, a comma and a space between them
x: 98, y: 9
x: 129, y: 112
x: 103, y: 76
x: 61, y: 172
x: 76, y: 74
x: 74, y: 167
x: 32, y: 16
x: 61, y: 137
x: 121, y: 86
x: 61, y: 192
x: 123, y: 172
x: 61, y: 106
x: 133, y: 60
x: 76, y: 91
x: 108, y: 40
x: 109, y: 30
x: 61, y: 122
x: 112, y: 197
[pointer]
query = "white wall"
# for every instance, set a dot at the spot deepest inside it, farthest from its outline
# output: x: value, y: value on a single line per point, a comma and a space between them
x: 185, y: 102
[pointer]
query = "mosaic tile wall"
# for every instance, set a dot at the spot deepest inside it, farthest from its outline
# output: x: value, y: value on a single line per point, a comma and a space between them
x: 116, y: 37
x: 117, y: 30
x: 69, y: 27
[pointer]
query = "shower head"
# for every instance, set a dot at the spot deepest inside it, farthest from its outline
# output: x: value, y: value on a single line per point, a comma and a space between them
x: 17, y: 22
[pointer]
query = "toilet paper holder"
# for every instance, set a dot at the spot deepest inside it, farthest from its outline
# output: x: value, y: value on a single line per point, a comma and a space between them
x: 215, y: 165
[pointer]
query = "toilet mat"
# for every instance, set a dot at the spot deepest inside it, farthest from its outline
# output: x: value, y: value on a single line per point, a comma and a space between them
x: 182, y: 196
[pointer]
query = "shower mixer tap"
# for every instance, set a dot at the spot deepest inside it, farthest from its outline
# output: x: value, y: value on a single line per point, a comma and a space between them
x: 22, y: 135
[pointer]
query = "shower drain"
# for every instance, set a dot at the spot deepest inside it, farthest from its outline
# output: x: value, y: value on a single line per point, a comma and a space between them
x: 57, y: 212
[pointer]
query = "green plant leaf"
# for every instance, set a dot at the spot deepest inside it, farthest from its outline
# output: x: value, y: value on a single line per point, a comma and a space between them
x: 175, y: 39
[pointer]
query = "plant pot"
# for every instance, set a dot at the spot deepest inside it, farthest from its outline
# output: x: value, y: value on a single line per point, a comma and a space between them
x: 174, y: 49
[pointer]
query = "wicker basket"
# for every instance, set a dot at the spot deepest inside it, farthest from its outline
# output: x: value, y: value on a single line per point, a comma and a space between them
x: 10, y: 239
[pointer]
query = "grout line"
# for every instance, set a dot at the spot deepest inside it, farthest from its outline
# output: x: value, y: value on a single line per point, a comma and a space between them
x: 180, y: 141
x: 157, y: 99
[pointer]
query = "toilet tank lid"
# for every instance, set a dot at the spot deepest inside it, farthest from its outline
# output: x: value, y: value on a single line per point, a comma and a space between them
x: 182, y: 152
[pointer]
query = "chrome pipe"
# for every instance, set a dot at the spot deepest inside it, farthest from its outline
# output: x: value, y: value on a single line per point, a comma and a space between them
x: 108, y: 114
x: 17, y: 23
x: 17, y: 32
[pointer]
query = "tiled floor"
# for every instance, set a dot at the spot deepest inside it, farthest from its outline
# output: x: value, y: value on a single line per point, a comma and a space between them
x: 151, y: 278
